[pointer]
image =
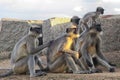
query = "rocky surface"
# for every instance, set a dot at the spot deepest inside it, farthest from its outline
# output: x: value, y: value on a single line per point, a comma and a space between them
x: 114, y: 58
x: 13, y: 29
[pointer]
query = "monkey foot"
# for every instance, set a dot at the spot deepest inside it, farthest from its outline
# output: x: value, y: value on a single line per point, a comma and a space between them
x: 40, y: 73
x: 82, y: 72
x: 85, y: 72
x: 112, y: 69
x: 96, y: 71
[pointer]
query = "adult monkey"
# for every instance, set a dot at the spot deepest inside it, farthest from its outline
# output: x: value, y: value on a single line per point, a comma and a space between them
x: 74, y: 22
x: 60, y: 56
x: 90, y: 49
x: 23, y: 57
x: 89, y: 19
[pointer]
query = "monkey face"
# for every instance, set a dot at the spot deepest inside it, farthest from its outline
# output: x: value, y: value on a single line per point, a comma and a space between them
x: 36, y: 30
x: 102, y: 11
x: 76, y: 21
x: 72, y: 30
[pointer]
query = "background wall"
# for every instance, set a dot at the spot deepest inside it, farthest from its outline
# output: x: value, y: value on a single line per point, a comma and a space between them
x: 13, y: 29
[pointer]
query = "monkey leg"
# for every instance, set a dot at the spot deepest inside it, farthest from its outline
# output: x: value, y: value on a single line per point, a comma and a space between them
x: 105, y: 59
x: 31, y: 66
x: 93, y: 69
x: 21, y: 66
x: 38, y: 61
x: 72, y: 65
x: 90, y: 64
x: 83, y: 64
x: 78, y: 61
x: 106, y: 64
x: 58, y: 65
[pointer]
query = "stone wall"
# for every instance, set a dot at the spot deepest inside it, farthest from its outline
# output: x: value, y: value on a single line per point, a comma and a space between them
x: 51, y: 32
x: 111, y: 36
x: 13, y: 30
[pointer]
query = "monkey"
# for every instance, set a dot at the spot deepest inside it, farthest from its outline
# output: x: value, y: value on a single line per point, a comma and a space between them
x: 60, y: 56
x: 89, y: 19
x: 75, y: 22
x: 24, y: 57
x: 90, y: 49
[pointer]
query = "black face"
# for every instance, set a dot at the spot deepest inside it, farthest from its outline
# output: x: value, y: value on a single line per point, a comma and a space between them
x: 102, y: 11
x: 75, y: 20
x: 74, y: 30
x: 36, y: 30
x: 40, y: 41
x: 97, y: 27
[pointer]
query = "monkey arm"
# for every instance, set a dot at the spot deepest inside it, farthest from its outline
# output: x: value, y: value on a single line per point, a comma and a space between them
x: 32, y: 49
x: 69, y: 51
x: 30, y: 44
x: 84, y: 22
x: 74, y: 54
x: 39, y: 48
x: 92, y: 21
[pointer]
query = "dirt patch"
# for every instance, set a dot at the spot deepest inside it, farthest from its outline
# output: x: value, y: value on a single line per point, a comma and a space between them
x: 112, y: 56
x: 50, y: 76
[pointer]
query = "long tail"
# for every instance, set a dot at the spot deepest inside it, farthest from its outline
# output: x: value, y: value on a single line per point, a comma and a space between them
x: 10, y: 72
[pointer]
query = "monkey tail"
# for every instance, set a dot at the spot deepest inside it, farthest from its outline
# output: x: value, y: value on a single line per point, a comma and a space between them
x: 10, y: 72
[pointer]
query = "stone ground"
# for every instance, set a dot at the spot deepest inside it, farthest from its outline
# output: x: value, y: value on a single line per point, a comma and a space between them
x: 112, y: 56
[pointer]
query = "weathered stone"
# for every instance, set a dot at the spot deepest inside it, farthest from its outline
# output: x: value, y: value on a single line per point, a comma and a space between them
x: 13, y: 30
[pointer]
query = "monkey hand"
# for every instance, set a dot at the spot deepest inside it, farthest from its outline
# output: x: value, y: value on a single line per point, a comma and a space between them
x: 76, y: 54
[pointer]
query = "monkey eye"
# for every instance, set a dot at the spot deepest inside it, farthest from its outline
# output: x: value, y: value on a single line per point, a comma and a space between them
x: 37, y: 30
x: 74, y: 30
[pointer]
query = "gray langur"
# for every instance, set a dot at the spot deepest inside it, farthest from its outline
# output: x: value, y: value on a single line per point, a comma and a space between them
x: 89, y: 19
x: 91, y: 52
x: 24, y: 57
x: 60, y: 56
